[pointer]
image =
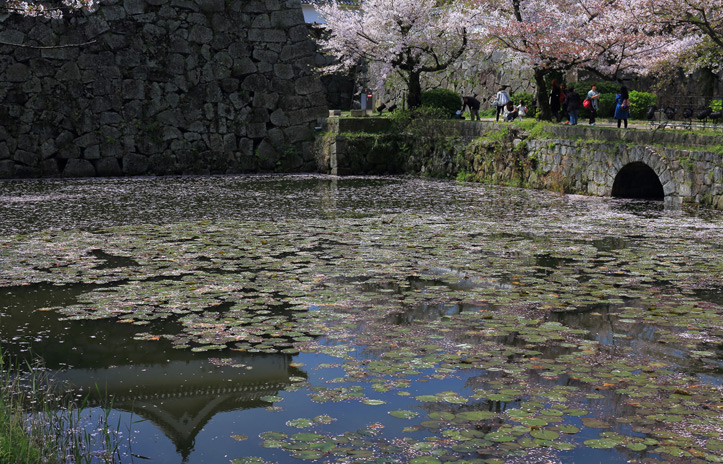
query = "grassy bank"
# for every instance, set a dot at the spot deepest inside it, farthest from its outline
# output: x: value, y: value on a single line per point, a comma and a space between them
x: 39, y: 425
x: 17, y: 444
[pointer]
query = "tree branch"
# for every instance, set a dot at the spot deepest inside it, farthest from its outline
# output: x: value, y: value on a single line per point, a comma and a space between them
x: 48, y: 47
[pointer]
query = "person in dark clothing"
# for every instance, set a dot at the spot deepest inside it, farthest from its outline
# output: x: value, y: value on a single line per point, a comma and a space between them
x: 473, y: 105
x: 555, y: 100
x: 573, y: 104
x: 564, y: 116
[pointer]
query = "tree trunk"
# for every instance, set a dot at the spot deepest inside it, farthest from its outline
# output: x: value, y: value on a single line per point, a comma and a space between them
x: 414, y: 94
x: 543, y: 100
x: 708, y: 83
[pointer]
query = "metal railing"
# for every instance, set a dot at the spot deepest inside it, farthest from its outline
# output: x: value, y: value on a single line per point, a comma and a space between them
x: 677, y: 112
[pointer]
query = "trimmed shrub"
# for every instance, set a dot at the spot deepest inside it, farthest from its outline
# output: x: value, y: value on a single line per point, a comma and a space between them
x: 447, y: 100
x: 640, y: 102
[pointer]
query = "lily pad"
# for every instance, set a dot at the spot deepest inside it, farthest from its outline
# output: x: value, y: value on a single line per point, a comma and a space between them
x: 403, y: 414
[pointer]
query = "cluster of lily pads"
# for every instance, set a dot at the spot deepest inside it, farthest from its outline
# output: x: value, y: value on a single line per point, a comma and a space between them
x: 551, y: 314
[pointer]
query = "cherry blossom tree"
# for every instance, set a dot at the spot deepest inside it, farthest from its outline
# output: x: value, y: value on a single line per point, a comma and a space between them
x: 606, y: 37
x: 698, y: 24
x: 49, y: 9
x: 704, y: 17
x: 403, y: 37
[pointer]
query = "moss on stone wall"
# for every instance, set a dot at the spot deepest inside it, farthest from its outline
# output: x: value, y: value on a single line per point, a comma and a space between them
x: 525, y: 155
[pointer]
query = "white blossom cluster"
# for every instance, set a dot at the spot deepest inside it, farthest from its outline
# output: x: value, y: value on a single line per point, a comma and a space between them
x: 47, y: 10
x: 613, y: 38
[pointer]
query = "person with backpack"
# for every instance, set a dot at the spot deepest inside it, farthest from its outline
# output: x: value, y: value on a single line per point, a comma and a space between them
x: 622, y: 106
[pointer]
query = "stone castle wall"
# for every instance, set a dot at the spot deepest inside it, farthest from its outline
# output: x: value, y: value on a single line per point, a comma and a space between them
x: 159, y: 87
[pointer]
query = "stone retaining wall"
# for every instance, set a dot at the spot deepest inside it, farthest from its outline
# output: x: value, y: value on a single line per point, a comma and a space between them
x: 160, y: 87
x: 687, y: 176
x: 581, y: 160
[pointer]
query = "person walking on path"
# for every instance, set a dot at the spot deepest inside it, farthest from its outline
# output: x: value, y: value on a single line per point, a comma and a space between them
x: 573, y: 105
x: 501, y: 98
x: 594, y: 96
x: 564, y: 112
x: 622, y: 106
x: 473, y: 105
x: 555, y: 100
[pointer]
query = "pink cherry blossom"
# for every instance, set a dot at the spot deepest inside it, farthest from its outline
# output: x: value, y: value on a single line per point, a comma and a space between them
x: 48, y: 9
x: 611, y: 38
x: 397, y: 39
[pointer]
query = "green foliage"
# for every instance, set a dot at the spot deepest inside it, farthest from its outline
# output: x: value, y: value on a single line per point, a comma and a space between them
x: 498, y: 135
x: 447, y: 100
x: 15, y: 445
x: 417, y: 119
x: 464, y: 176
x: 37, y: 425
x: 640, y: 102
x: 527, y: 99
x: 606, y: 105
x: 487, y: 112
x: 604, y: 87
x: 536, y: 129
x: 716, y: 104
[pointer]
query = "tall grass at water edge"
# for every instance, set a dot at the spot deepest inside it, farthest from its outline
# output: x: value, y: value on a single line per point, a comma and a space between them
x: 38, y: 425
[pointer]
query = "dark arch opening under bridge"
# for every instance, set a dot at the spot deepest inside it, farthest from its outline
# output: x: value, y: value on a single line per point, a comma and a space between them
x: 638, y: 180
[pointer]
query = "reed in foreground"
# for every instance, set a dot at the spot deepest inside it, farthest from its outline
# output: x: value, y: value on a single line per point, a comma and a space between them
x: 40, y: 425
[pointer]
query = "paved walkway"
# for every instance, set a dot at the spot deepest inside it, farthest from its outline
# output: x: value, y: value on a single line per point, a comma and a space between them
x: 638, y: 124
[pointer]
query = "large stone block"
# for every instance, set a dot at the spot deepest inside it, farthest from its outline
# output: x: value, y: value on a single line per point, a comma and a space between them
x: 79, y: 168
x: 49, y: 168
x: 26, y: 158
x: 292, y: 53
x: 17, y: 72
x: 255, y: 83
x: 7, y: 169
x: 279, y: 119
x: 285, y: 19
x: 135, y: 164
x: 267, y: 35
x: 134, y: 7
x: 211, y: 6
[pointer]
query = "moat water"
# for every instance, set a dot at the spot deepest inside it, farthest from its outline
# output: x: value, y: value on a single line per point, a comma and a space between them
x: 253, y: 319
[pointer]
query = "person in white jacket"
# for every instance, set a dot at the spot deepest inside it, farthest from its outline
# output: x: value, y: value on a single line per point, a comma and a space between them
x: 521, y: 110
x: 501, y: 100
x: 510, y: 112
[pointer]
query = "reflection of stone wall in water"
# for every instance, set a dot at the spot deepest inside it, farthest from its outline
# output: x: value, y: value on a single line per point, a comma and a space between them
x: 166, y: 87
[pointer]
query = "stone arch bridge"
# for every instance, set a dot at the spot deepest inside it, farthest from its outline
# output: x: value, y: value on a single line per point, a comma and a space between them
x: 676, y: 167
